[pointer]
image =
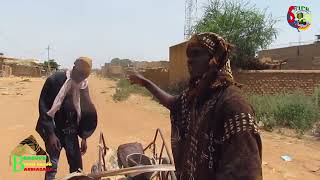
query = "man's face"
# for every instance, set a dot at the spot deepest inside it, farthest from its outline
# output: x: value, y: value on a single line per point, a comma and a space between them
x: 80, y: 72
x: 198, y: 61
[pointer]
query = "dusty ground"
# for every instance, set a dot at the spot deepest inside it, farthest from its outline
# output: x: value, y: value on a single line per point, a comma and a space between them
x: 133, y: 120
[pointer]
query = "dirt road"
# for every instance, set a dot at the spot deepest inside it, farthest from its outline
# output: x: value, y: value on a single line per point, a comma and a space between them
x: 130, y: 121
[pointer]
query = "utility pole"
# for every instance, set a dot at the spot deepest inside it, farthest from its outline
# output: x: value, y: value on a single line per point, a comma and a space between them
x: 48, y: 48
x: 49, y: 67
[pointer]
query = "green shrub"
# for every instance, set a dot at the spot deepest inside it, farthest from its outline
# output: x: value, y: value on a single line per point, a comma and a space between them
x: 269, y: 122
x: 112, y: 78
x: 294, y: 110
x: 316, y: 96
x: 316, y: 129
x: 176, y: 89
x: 123, y: 83
x: 120, y: 94
x: 264, y: 105
x: 125, y: 88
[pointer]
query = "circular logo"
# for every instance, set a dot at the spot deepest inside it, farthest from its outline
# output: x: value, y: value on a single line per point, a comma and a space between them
x: 299, y: 17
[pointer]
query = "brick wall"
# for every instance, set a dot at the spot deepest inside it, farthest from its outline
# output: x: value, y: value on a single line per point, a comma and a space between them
x: 112, y: 70
x: 159, y: 76
x: 150, y: 64
x: 5, y: 71
x: 20, y: 70
x: 274, y: 81
x: 263, y: 81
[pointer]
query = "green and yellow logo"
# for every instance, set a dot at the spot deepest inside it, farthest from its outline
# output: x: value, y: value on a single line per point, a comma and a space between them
x: 29, y: 156
x: 30, y: 163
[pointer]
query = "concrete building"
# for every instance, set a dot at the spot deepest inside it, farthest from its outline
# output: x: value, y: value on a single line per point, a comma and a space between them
x: 303, y: 57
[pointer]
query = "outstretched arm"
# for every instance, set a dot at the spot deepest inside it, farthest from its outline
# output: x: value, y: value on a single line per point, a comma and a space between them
x: 164, y: 98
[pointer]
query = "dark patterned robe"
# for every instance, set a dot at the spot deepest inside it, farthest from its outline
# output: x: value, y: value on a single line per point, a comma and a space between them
x: 216, y: 137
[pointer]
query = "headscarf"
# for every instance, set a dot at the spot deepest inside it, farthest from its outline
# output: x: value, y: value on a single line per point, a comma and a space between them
x: 217, y: 47
x: 219, y: 72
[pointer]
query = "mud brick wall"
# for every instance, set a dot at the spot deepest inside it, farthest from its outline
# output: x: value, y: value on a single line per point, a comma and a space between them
x: 159, y: 76
x: 178, y: 70
x: 6, y: 71
x: 19, y: 70
x: 298, y: 57
x: 112, y: 70
x: 276, y: 81
x: 263, y: 81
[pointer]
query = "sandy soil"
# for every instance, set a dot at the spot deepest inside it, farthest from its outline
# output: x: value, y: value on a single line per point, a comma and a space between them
x: 130, y: 121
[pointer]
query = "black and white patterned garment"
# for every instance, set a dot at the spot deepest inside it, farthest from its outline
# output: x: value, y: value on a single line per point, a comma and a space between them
x: 216, y: 139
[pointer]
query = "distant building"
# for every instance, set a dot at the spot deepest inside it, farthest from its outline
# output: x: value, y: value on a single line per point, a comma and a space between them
x: 303, y: 57
x: 112, y: 70
x: 150, y: 64
x: 178, y: 71
x: 21, y: 67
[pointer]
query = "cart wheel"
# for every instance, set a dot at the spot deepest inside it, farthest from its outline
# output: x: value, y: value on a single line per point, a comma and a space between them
x: 77, y: 176
x: 94, y: 168
x: 167, y: 175
x: 137, y: 159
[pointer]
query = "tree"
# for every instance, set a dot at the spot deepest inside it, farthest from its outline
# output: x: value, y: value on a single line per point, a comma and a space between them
x: 121, y: 62
x: 241, y: 24
x: 52, y: 64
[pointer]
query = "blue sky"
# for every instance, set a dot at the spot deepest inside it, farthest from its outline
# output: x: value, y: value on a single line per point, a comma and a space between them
x: 103, y: 29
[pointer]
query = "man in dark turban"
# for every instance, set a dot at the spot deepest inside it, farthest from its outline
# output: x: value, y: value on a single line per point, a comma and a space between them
x: 214, y: 133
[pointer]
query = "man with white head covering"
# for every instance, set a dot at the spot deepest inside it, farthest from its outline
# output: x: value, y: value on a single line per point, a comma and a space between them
x: 66, y: 112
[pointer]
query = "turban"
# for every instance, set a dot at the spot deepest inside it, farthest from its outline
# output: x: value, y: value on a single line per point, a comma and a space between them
x: 83, y: 64
x: 217, y: 47
x: 219, y: 73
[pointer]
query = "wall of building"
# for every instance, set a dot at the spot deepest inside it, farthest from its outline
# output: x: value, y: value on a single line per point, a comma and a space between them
x: 303, y: 73
x: 19, y: 70
x: 298, y: 57
x: 178, y: 63
x: 112, y: 70
x: 5, y: 71
x: 275, y: 81
x: 160, y: 76
x: 150, y: 64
